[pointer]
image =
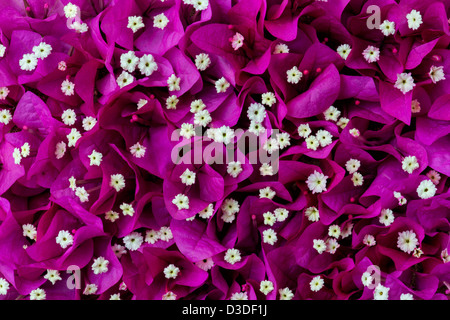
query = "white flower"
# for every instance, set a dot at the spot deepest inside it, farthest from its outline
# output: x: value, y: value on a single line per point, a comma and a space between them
x: 79, y: 27
x: 17, y: 155
x: 100, y: 265
x: 69, y: 117
x: 319, y: 245
x: 445, y: 256
x: 369, y: 240
x: 160, y: 21
x: 294, y: 75
x: 366, y: 279
x: 332, y: 113
x: 371, y: 54
x: 38, y: 294
x: 436, y: 73
x: 25, y: 150
x: 187, y: 130
x: 169, y: 295
x: 256, y: 112
x: 357, y: 179
x: 5, y: 116
x: 72, y: 183
x: 224, y: 134
x: 334, y: 231
x: 42, y: 50
x: 316, y: 283
x: 346, y: 230
x: 133, y: 241
x: 165, y: 234
x: 28, y: 62
x: 151, y: 236
x: 62, y: 66
x: 270, y: 236
x: 147, y: 65
x: 285, y: 294
x: 324, y: 137
x: 283, y: 140
x: 352, y: 165
x: 234, y: 168
x: 124, y: 79
x: 197, y: 105
x: 171, y: 102
x: 188, y: 177
x: 415, y: 106
x: 354, y: 132
x: 232, y: 256
x: 173, y: 82
x: 387, y: 27
x: 414, y: 19
x: 230, y: 206
x: 344, y: 50
x: 312, y: 213
x: 64, y: 239
x: 95, y: 158
x: 266, y: 287
x: 129, y: 61
x: 281, y: 48
x: 342, y: 122
x: 202, y: 61
x: 138, y: 150
x: 82, y: 194
x: 4, y: 286
x: 317, y: 182
x: 171, y: 271
x: 115, y: 296
x: 312, y: 143
x: 237, y: 41
x: 2, y: 50
x: 111, y: 215
x: 271, y: 145
x: 207, y: 212
x: 332, y: 245
x: 117, y: 181
x: 426, y: 189
x: 89, y: 123
x: 141, y: 103
x: 135, y: 23
x: 269, y: 218
x: 29, y: 231
x: 200, y: 5
x: 303, y: 130
x: 267, y: 192
x: 256, y: 128
x: 268, y: 98
x: 386, y: 217
x: 406, y: 296
x: 239, y: 295
x: 407, y: 241
x: 52, y: 276
x: 281, y: 214
x: 405, y: 82
x: 181, y: 201
x: 222, y: 85
x: 401, y: 199
x: 127, y: 209
x: 409, y: 164
x: 90, y: 289
x: 70, y: 10
x: 381, y: 292
x: 266, y: 169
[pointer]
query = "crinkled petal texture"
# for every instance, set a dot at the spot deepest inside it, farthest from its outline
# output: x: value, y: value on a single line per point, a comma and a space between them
x: 224, y: 150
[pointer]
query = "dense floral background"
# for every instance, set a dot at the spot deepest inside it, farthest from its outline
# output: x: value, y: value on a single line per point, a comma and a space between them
x: 351, y: 96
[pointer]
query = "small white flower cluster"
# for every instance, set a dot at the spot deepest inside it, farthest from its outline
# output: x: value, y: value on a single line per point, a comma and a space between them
x: 73, y: 13
x: 407, y: 241
x: 317, y: 182
x: 330, y: 244
x: 230, y: 207
x: 129, y: 62
x: 322, y: 138
x: 163, y: 234
x: 29, y: 61
x: 202, y: 116
x: 4, y: 91
x: 181, y: 201
x: 22, y: 152
x: 401, y: 199
x: 352, y: 166
x: 279, y: 215
x: 199, y: 5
